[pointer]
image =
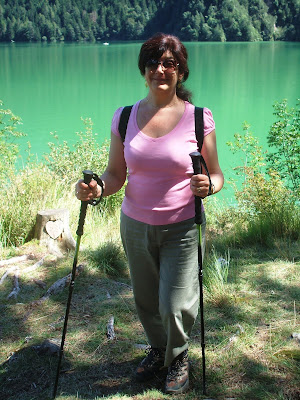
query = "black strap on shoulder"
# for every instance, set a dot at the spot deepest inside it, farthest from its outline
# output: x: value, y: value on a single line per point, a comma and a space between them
x: 199, y: 127
x: 199, y: 124
x: 124, y: 121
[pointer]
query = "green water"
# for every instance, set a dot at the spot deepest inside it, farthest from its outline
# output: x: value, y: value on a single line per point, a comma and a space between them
x: 51, y: 86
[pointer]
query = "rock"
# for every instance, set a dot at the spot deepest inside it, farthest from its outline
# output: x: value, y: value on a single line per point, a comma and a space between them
x: 296, y: 336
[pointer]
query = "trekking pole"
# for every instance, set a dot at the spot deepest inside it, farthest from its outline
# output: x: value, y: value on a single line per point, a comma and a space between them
x: 196, y: 159
x: 88, y: 176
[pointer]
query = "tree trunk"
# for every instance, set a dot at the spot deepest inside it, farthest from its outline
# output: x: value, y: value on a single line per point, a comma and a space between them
x: 52, y: 229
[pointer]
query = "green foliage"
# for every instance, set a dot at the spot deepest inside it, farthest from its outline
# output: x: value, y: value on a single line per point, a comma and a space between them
x: 67, y: 162
x: 9, y: 148
x: 74, y: 20
x: 284, y: 136
x: 249, y: 146
x: 45, y: 185
x: 266, y: 207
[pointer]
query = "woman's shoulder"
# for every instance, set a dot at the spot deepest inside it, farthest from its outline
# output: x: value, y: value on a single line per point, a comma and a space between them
x: 208, y: 119
x: 116, y: 118
x: 191, y: 107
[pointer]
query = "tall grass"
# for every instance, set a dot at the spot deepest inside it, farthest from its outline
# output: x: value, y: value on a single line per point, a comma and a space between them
x: 215, y: 276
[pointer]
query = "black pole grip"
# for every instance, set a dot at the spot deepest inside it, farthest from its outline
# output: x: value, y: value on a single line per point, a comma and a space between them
x: 196, y: 157
x: 87, y: 177
x: 196, y: 160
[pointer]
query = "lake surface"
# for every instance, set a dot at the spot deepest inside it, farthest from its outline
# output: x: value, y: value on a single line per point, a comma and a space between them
x: 51, y: 86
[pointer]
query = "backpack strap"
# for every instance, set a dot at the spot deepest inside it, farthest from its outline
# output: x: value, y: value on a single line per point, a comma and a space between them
x: 124, y: 121
x: 199, y: 127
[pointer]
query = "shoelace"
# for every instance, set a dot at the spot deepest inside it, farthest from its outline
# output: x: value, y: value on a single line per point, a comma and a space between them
x: 153, y: 354
x: 175, y: 368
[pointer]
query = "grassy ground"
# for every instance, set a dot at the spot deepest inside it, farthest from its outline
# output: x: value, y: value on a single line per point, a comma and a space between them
x: 250, y: 316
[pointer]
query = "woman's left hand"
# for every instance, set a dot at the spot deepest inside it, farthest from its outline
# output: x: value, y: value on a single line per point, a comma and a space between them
x: 200, y: 185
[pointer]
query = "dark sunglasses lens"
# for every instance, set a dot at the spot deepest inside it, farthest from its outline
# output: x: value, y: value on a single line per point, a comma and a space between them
x: 152, y: 63
x: 169, y: 64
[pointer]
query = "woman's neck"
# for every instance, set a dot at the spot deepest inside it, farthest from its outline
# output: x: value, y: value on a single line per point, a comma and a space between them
x: 162, y: 101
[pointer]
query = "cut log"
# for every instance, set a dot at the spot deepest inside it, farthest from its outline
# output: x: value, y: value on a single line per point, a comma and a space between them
x: 52, y: 229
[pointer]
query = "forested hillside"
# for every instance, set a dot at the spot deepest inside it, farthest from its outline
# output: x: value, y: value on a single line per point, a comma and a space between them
x: 191, y: 20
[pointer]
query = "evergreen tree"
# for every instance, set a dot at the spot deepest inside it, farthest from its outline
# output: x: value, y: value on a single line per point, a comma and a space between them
x: 244, y: 20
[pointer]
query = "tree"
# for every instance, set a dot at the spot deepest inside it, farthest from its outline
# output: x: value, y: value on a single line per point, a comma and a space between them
x: 244, y: 20
x: 284, y: 137
x: 3, y: 27
x: 26, y: 32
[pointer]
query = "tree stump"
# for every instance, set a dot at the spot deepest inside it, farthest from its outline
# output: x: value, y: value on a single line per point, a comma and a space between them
x: 52, y: 229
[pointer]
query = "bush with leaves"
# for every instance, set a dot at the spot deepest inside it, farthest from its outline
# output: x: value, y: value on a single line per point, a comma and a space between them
x: 68, y: 162
x: 284, y: 136
x: 44, y: 185
x: 267, y: 208
x: 9, y: 148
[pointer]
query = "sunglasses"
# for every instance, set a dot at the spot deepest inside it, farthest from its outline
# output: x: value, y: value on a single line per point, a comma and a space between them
x: 167, y: 65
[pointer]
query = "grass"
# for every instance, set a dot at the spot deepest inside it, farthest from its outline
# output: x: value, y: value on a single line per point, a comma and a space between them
x: 251, y: 310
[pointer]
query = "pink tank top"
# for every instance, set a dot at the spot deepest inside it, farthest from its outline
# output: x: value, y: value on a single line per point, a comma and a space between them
x: 158, y: 188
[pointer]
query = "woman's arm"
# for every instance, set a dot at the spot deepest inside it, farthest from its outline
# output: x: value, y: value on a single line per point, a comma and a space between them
x: 113, y: 177
x: 200, y: 182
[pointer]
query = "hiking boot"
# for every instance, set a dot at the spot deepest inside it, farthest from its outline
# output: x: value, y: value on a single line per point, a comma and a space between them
x: 178, y: 375
x: 151, y: 364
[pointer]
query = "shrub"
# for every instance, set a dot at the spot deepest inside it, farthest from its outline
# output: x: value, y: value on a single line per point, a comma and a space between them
x: 284, y: 136
x: 267, y: 207
x: 67, y: 162
x: 9, y: 149
x: 44, y: 185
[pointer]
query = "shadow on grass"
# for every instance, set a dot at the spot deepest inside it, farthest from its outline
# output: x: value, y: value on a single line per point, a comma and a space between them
x: 29, y: 376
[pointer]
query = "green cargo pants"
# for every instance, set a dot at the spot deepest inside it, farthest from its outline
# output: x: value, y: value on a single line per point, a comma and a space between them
x: 163, y: 261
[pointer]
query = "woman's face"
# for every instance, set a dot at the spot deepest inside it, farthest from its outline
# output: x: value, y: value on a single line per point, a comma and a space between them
x: 162, y: 74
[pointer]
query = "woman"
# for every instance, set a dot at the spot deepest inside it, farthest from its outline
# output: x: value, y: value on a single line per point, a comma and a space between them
x: 157, y: 217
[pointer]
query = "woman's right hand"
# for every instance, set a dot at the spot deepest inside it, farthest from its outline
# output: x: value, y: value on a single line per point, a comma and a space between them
x: 86, y: 192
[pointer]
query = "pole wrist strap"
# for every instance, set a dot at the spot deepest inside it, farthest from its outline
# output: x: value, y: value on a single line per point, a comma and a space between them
x: 99, y: 181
